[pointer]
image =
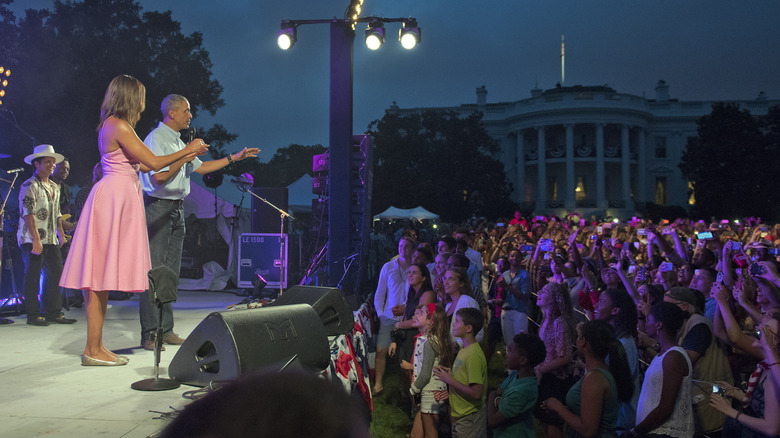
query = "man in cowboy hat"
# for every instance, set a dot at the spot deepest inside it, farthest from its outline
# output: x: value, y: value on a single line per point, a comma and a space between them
x: 40, y: 236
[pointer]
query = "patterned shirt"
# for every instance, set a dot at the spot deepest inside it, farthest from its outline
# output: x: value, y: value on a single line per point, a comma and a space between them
x: 42, y: 200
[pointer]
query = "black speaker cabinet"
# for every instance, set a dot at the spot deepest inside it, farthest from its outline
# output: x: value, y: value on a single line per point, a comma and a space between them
x: 328, y: 302
x: 228, y: 344
x: 266, y: 219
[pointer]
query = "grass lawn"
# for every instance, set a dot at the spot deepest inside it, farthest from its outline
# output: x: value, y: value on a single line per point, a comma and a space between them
x: 391, y: 417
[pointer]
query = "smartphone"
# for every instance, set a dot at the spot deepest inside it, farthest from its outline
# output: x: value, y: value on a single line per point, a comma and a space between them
x: 706, y: 235
x: 540, y: 218
x: 665, y: 267
x: 641, y: 232
x: 500, y: 224
x: 594, y: 236
x: 756, y: 333
x: 736, y: 246
x: 631, y: 269
x: 640, y: 276
x: 719, y: 277
x: 718, y: 390
x: 599, y: 230
x: 774, y: 251
x: 527, y: 248
x: 756, y: 269
x: 740, y: 259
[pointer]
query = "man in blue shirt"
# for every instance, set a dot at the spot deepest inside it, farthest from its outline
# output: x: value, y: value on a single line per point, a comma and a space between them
x: 164, y: 193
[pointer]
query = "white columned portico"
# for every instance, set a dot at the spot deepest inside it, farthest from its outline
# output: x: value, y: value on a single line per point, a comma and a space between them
x: 541, y: 168
x: 520, y: 154
x: 601, y: 196
x: 510, y: 160
x: 625, y: 168
x: 569, y: 200
x: 641, y: 166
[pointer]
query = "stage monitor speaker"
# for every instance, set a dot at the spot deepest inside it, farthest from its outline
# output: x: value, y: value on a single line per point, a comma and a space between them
x: 266, y: 219
x: 228, y: 344
x: 328, y: 302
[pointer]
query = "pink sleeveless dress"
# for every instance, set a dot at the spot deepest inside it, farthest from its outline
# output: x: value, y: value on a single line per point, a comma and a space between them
x: 110, y: 246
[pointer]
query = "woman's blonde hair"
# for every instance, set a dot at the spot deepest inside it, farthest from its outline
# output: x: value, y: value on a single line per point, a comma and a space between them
x: 125, y: 99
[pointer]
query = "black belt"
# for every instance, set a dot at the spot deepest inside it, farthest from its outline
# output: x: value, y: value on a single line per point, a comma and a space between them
x: 149, y: 199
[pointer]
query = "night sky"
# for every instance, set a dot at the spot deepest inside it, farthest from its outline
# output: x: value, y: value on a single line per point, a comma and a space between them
x: 704, y: 50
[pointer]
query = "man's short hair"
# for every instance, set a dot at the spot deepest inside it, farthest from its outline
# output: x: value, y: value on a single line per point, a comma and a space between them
x: 532, y: 346
x: 463, y: 230
x: 172, y: 102
x: 473, y: 317
x: 460, y: 260
x: 426, y: 251
x: 671, y: 316
x: 449, y: 241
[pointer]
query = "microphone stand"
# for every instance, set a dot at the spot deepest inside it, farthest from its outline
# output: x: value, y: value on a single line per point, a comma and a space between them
x: 14, y: 297
x: 282, y: 215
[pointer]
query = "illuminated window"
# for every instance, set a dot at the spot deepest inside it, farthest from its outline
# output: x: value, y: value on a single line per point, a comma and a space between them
x: 579, y: 191
x: 660, y: 190
x: 691, y: 195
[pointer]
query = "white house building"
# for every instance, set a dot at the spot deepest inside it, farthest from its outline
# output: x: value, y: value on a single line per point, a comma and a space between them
x: 592, y: 149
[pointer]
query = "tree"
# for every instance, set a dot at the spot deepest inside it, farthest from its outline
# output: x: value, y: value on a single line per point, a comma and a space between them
x: 287, y: 165
x: 66, y: 57
x: 730, y: 163
x: 440, y: 161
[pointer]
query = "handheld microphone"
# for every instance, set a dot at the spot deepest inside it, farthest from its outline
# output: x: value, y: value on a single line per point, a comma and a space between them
x: 21, y: 169
x: 191, y: 133
x: 245, y: 178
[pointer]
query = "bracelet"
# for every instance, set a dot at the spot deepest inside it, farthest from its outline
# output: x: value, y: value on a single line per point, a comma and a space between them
x: 230, y: 159
x: 736, y: 418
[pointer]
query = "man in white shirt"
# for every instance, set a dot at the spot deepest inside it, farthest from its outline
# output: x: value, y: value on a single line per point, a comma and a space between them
x: 390, y: 302
x: 164, y: 193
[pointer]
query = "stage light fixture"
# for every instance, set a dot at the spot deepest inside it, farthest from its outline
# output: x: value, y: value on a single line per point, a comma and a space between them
x: 353, y: 10
x: 375, y: 35
x: 409, y: 35
x: 287, y: 36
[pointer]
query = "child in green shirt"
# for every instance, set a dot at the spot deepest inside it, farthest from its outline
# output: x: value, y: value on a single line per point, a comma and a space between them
x: 468, y: 378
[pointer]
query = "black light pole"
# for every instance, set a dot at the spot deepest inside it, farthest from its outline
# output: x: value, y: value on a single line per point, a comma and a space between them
x: 342, y: 226
x: 342, y: 37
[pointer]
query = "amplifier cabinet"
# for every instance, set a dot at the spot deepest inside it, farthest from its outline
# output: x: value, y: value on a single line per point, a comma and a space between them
x: 258, y: 254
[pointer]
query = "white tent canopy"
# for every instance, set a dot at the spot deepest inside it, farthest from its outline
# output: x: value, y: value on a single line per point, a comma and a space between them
x: 418, y: 213
x: 299, y: 195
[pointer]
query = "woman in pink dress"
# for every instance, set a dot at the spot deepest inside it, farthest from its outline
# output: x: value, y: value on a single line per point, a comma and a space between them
x: 110, y: 247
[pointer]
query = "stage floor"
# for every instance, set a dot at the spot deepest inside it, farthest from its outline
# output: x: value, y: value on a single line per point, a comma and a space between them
x: 47, y: 392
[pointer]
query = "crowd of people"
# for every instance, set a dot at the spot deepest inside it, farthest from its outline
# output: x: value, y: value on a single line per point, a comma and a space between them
x: 611, y: 328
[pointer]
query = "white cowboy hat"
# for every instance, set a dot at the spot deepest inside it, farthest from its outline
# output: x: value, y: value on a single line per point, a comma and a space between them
x: 44, y: 150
